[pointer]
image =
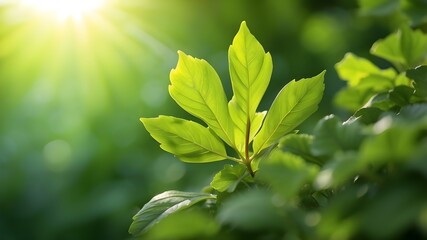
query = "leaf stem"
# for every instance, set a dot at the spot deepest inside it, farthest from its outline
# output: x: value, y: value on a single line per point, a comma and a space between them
x: 233, y: 159
x: 247, y: 159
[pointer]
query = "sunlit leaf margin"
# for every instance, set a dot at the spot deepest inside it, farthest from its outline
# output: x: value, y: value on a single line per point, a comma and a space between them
x: 196, y: 87
x: 294, y: 103
x: 189, y: 141
x: 250, y: 72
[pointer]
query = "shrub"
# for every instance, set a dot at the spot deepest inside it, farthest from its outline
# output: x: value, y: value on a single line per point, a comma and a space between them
x: 362, y: 178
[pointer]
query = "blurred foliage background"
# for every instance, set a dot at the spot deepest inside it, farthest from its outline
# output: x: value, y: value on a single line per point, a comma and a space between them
x: 75, y: 162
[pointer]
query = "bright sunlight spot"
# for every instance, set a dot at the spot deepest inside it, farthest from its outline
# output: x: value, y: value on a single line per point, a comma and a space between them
x: 64, y: 9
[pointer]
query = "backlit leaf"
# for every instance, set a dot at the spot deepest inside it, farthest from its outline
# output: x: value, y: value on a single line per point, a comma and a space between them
x: 196, y: 87
x: 250, y: 71
x: 405, y: 49
x: 354, y: 69
x: 162, y: 206
x: 228, y: 178
x: 189, y: 141
x: 294, y: 103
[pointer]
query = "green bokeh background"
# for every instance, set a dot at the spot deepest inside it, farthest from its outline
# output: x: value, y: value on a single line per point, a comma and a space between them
x: 75, y: 162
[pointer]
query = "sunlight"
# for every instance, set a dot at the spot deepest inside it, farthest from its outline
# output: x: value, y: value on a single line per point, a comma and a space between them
x: 64, y: 9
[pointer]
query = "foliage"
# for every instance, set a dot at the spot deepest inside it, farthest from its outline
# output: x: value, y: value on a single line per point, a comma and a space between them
x: 345, y: 181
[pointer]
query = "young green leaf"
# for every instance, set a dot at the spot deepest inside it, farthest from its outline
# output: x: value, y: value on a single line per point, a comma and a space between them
x: 241, y: 125
x: 228, y: 178
x: 405, y: 49
x: 196, y: 87
x: 294, y: 103
x: 355, y: 69
x: 162, y: 206
x: 250, y: 71
x: 189, y: 141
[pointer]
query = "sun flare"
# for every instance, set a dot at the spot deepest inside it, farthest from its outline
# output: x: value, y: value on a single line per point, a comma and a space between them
x: 64, y: 9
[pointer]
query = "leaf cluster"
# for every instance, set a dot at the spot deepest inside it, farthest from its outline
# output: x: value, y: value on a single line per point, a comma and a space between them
x: 362, y: 178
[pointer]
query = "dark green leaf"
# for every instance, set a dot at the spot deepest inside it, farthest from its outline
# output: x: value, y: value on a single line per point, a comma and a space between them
x: 299, y: 144
x: 162, y: 206
x: 367, y: 115
x: 382, y: 101
x: 250, y: 210
x: 343, y: 168
x: 416, y: 112
x: 176, y: 226
x: 401, y: 95
x: 399, y: 203
x: 286, y: 173
x: 419, y: 75
x: 393, y: 143
x: 331, y: 136
x: 378, y: 7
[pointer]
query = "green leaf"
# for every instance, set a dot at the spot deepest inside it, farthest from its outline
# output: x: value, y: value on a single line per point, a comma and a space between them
x: 163, y: 205
x: 354, y: 70
x: 286, y: 173
x: 378, y: 7
x: 394, y: 143
x: 299, y: 144
x: 343, y: 168
x: 419, y: 75
x: 331, y: 136
x: 294, y: 103
x: 382, y: 101
x: 406, y: 196
x: 353, y: 99
x: 250, y: 71
x: 196, y: 87
x: 405, y: 49
x: 415, y: 112
x: 175, y: 226
x: 250, y: 210
x: 228, y: 178
x: 189, y: 141
x: 401, y: 95
x: 367, y: 115
x: 240, y: 125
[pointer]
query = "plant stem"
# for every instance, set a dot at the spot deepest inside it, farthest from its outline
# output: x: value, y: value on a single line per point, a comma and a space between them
x: 247, y: 158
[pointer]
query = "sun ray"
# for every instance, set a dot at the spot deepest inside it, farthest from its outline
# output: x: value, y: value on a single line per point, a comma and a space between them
x: 64, y: 9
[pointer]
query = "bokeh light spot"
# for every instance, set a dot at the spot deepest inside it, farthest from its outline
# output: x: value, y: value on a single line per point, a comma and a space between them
x: 57, y: 155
